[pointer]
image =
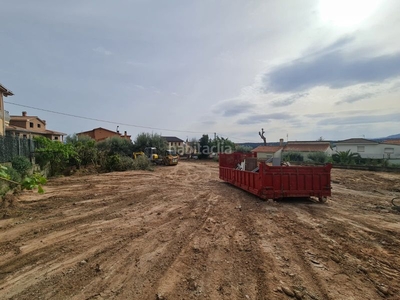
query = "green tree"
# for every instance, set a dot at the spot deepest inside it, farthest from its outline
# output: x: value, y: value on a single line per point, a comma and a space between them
x: 204, y: 146
x: 85, y: 147
x: 194, y: 146
x: 222, y: 145
x: 144, y: 140
x: 116, y: 145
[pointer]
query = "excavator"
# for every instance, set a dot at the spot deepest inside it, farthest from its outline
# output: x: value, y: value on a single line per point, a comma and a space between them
x: 170, y: 158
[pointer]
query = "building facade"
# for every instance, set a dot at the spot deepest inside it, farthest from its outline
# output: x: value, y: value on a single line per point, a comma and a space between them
x: 31, y: 126
x: 100, y: 134
x: 389, y: 150
x: 4, y: 116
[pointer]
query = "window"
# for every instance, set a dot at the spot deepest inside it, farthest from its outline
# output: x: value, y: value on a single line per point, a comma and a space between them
x: 360, y: 148
x: 38, y: 126
x: 389, y: 150
x: 56, y: 137
x: 24, y: 136
x: 31, y: 124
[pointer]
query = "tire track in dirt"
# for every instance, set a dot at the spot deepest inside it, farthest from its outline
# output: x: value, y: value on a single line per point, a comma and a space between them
x: 81, y: 275
x: 181, y: 233
x: 362, y: 253
x: 347, y: 245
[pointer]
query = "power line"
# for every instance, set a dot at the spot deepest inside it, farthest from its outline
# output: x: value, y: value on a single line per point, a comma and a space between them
x: 106, y: 121
x: 100, y: 120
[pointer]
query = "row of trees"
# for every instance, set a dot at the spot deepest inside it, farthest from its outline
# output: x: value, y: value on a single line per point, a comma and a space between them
x: 115, y: 153
x: 209, y: 146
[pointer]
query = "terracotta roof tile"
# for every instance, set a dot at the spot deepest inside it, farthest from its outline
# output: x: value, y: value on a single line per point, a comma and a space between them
x: 306, y: 147
x: 267, y: 149
x: 392, y: 142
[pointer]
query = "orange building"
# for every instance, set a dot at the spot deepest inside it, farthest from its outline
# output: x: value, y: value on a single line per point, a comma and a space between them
x: 99, y: 134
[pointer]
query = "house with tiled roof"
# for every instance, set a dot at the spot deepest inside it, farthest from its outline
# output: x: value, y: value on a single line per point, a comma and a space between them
x: 30, y: 126
x: 100, y: 134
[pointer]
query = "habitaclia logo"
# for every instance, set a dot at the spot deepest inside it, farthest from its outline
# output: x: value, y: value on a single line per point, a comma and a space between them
x: 198, y: 149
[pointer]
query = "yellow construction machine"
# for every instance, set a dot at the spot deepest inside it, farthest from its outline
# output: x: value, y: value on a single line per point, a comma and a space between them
x: 137, y: 154
x: 170, y: 158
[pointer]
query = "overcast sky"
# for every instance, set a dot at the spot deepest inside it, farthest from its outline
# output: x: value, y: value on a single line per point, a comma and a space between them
x: 299, y: 69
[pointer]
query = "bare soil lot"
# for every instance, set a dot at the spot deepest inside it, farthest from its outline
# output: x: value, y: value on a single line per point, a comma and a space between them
x: 181, y: 233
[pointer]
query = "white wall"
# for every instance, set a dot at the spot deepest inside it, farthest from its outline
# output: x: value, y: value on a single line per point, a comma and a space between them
x: 378, y: 151
x: 266, y: 156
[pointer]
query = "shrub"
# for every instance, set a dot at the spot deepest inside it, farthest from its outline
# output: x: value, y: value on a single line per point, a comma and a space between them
x: 21, y: 164
x: 318, y: 157
x: 13, y: 180
x: 112, y: 162
x: 292, y: 156
x: 14, y: 175
x: 85, y: 148
x: 125, y: 163
x: 244, y: 149
x: 142, y: 163
x: 57, y: 154
x: 118, y: 162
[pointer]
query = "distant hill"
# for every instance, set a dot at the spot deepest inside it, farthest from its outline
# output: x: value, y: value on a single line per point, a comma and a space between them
x: 390, y: 137
x: 394, y: 136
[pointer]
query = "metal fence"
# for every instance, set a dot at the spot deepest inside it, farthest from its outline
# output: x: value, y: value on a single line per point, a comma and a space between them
x: 12, y: 146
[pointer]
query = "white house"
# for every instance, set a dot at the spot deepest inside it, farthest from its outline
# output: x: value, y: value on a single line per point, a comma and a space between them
x: 371, y: 149
x: 303, y: 148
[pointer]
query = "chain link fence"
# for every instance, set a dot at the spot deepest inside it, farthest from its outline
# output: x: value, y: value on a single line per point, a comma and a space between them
x: 11, y: 146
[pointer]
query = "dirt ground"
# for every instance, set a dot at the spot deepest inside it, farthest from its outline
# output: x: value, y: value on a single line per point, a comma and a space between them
x: 181, y: 233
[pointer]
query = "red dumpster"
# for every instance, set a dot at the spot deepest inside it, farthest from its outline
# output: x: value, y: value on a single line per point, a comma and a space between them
x: 273, y: 182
